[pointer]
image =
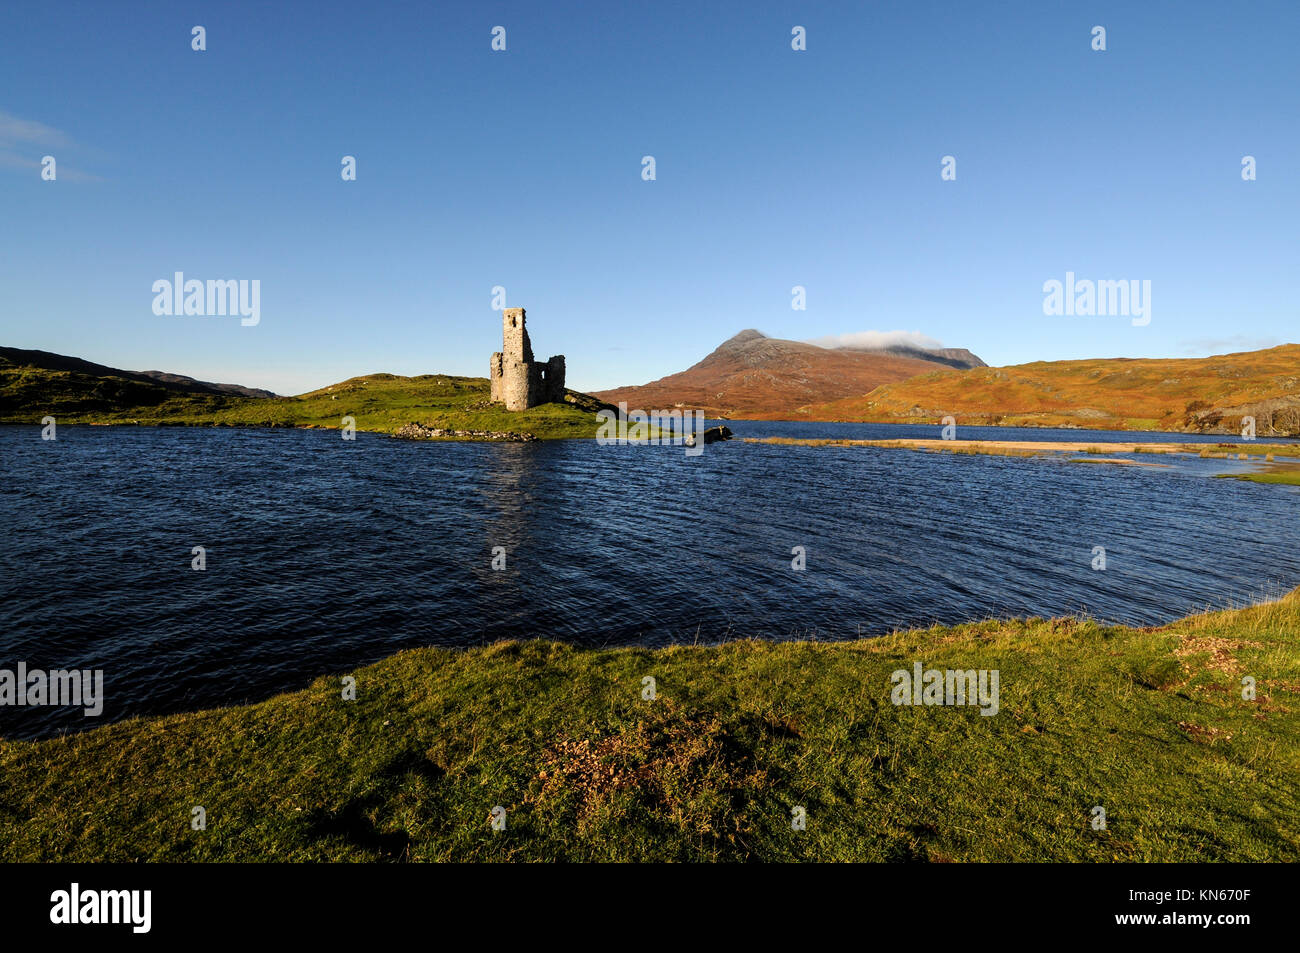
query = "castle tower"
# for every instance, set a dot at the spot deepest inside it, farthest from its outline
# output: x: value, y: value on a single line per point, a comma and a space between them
x: 515, y: 333
x: 517, y: 380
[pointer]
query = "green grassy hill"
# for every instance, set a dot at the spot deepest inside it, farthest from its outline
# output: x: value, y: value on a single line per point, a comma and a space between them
x: 378, y: 402
x: 1149, y: 724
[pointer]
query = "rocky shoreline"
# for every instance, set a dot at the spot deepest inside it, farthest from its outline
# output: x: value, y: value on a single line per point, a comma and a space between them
x: 414, y: 431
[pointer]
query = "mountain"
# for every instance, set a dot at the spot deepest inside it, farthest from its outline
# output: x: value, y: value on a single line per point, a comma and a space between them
x: 45, y: 360
x: 1209, y: 395
x: 758, y: 377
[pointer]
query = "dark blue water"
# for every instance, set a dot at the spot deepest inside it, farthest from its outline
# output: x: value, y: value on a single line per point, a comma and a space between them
x: 324, y: 554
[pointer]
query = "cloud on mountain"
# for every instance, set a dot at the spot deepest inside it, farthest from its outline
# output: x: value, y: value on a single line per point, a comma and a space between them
x: 878, y: 340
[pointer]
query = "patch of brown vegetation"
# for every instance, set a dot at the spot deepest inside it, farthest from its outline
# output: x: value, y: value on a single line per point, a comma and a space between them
x: 1203, y: 734
x: 1219, y: 649
x: 667, y: 758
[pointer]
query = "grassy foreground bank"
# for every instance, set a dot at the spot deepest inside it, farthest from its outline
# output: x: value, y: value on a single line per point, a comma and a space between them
x: 1148, y: 723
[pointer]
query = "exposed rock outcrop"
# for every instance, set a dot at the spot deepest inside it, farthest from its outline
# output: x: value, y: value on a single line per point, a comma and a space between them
x: 415, y: 431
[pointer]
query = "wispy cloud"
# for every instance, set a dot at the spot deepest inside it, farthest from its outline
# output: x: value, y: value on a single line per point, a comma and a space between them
x: 16, y: 161
x: 13, y: 129
x: 1228, y: 345
x: 878, y: 340
x: 24, y: 142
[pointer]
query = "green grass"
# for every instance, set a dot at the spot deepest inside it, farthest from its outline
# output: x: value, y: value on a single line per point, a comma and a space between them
x: 1147, y: 723
x: 1279, y: 477
x: 378, y: 402
x: 1257, y: 449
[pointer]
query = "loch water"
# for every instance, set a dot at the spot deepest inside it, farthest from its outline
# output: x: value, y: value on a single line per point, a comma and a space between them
x: 324, y: 554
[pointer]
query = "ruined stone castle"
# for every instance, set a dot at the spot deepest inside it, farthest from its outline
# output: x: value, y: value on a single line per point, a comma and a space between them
x: 517, y: 380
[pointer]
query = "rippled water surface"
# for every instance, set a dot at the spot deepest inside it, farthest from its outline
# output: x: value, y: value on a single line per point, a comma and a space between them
x: 323, y: 554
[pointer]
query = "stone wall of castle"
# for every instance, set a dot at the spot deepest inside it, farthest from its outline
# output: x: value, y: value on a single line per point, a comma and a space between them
x: 517, y: 380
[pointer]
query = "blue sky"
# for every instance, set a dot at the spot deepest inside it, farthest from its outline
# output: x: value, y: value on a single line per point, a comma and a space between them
x: 522, y: 169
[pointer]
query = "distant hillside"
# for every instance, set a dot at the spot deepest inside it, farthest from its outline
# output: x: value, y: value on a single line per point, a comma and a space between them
x: 18, y: 357
x: 757, y: 377
x: 74, y: 391
x: 1209, y: 394
x: 957, y: 357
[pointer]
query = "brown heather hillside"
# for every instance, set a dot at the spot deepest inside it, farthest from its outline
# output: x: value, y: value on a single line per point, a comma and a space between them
x: 1209, y: 394
x: 760, y: 378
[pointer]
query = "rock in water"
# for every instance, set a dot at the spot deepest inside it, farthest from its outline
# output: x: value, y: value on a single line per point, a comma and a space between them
x: 712, y: 435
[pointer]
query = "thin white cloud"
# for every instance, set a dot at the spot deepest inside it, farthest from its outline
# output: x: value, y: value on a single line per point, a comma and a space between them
x: 1228, y: 345
x: 13, y: 129
x: 24, y: 142
x: 15, y: 161
x: 878, y: 340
